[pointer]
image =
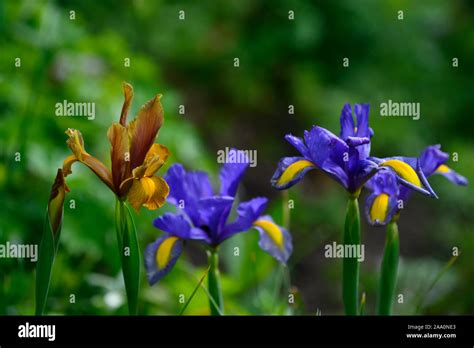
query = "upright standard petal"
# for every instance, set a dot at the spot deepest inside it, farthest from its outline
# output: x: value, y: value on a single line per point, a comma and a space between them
x: 161, y: 256
x: 119, y: 154
x: 290, y: 170
x: 143, y: 130
x: 274, y: 239
x: 231, y: 174
x: 186, y: 188
x: 128, y: 96
x: 362, y: 115
x: 359, y: 133
x: 76, y: 144
x: 348, y: 128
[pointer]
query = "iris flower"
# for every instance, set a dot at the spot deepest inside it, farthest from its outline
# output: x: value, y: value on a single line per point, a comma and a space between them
x: 134, y: 155
x: 388, y: 197
x: 203, y: 216
x: 345, y: 158
x: 383, y: 207
x: 135, y: 160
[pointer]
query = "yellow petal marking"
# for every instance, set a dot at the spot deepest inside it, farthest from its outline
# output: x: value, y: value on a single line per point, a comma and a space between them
x: 443, y: 169
x: 163, y: 252
x: 293, y: 170
x: 404, y: 170
x: 378, y: 211
x: 272, y: 230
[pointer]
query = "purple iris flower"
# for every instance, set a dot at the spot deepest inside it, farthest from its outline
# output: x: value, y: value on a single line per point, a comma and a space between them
x: 202, y: 215
x: 344, y: 158
x: 388, y: 197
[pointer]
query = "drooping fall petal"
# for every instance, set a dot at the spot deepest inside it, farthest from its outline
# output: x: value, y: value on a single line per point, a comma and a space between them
x: 148, y: 191
x: 143, y: 130
x: 76, y: 144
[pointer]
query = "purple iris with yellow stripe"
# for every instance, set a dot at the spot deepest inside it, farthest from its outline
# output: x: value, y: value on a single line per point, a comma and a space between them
x: 203, y: 216
x: 388, y: 197
x: 346, y: 158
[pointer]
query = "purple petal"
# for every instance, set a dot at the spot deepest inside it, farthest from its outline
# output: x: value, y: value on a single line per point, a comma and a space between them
x: 415, y: 164
x: 336, y: 172
x: 174, y: 224
x: 177, y: 225
x: 362, y: 115
x: 155, y: 271
x: 276, y: 241
x: 454, y: 177
x: 391, y: 209
x: 247, y: 213
x: 298, y: 144
x: 213, y: 212
x: 360, y: 172
x: 230, y: 175
x: 357, y: 141
x: 186, y: 188
x: 431, y: 158
x: 285, y: 177
x: 347, y: 122
x: 384, y: 181
x: 324, y: 145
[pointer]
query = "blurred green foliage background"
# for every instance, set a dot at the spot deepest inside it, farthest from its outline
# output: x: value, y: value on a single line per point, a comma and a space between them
x: 282, y: 62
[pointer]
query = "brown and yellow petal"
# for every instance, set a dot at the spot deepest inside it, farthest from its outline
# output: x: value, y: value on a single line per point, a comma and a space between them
x: 150, y: 192
x: 119, y: 153
x: 154, y: 160
x: 76, y: 144
x: 128, y: 94
x: 67, y: 164
x: 143, y: 130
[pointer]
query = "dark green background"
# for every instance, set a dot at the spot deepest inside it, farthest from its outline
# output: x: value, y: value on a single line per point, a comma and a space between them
x: 190, y: 62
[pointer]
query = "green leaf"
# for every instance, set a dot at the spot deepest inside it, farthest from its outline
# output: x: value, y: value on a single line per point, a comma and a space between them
x: 129, y: 254
x: 46, y: 254
x: 350, y: 265
x: 389, y: 269
x: 194, y: 291
x: 439, y: 275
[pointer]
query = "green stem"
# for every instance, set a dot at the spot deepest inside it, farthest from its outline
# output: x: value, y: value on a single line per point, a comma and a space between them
x: 388, y: 271
x: 214, y: 284
x: 129, y: 252
x: 350, y: 266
